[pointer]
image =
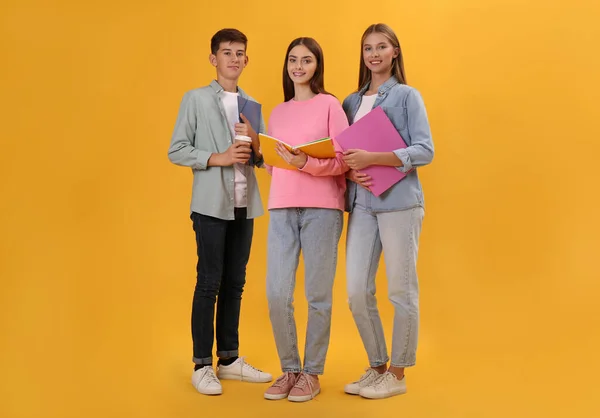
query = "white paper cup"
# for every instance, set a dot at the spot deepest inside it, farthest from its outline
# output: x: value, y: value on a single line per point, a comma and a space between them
x: 243, y: 138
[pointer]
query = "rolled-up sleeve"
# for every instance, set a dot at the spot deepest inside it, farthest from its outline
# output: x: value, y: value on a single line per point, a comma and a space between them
x: 421, y: 150
x: 182, y: 150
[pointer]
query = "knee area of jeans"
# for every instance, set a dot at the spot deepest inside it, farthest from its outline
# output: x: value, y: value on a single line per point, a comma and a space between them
x: 236, y: 273
x: 276, y: 295
x: 358, y: 309
x: 237, y: 289
x: 207, y: 289
x: 357, y: 299
x: 402, y: 297
x: 277, y: 302
x: 230, y: 295
x: 279, y: 310
x: 320, y: 298
x: 320, y: 306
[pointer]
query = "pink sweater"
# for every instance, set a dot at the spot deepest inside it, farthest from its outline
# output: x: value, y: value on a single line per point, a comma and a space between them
x: 321, y: 182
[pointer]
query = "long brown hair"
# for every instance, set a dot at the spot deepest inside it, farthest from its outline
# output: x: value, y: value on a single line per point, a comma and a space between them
x: 364, y: 76
x: 317, y: 82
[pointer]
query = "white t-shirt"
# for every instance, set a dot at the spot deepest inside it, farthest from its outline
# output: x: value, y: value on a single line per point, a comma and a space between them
x: 230, y: 103
x: 366, y: 105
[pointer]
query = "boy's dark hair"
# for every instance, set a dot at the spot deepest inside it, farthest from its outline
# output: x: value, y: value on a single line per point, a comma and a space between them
x: 227, y: 35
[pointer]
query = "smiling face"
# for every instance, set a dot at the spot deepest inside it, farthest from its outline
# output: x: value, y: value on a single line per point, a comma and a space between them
x: 230, y: 60
x: 301, y: 65
x: 378, y: 53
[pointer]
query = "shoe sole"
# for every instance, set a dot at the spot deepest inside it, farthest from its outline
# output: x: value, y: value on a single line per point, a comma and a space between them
x: 245, y: 379
x: 351, y: 392
x: 273, y: 397
x: 211, y: 393
x: 383, y: 395
x: 303, y: 398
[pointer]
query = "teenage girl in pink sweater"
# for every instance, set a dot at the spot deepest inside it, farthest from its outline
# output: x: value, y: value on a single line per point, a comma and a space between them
x: 306, y: 213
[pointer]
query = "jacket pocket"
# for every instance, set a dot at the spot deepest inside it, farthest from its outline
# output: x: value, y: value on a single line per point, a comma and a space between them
x: 398, y: 116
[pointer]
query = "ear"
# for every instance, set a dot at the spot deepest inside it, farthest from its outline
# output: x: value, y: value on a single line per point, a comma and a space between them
x: 246, y: 60
x: 396, y: 52
x: 212, y: 58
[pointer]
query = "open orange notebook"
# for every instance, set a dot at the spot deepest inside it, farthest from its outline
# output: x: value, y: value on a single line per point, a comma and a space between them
x: 320, y: 148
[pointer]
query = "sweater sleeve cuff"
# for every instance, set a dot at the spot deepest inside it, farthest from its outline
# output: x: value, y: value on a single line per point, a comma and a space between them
x: 309, y: 166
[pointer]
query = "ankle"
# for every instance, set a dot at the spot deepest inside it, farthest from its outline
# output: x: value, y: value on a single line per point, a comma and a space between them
x: 397, y: 371
x: 381, y: 369
x: 226, y: 361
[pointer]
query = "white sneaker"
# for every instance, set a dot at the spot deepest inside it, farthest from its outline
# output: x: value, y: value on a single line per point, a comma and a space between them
x: 240, y: 370
x: 205, y: 381
x: 365, y: 380
x: 384, y: 386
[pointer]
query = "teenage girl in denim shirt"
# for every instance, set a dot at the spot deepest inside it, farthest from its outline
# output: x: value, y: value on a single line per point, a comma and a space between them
x: 390, y: 222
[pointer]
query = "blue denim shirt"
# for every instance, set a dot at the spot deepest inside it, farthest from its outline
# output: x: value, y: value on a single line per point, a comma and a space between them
x: 405, y: 108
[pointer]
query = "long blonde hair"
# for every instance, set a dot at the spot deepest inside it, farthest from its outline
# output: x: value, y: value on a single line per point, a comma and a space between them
x: 364, y: 76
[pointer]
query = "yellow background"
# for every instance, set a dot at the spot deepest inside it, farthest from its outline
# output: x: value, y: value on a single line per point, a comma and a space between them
x: 97, y: 251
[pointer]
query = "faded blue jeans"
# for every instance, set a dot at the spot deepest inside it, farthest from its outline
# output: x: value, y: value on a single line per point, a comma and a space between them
x: 397, y: 234
x: 316, y: 232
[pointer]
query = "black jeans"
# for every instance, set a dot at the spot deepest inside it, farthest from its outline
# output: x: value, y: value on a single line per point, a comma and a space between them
x: 223, y: 251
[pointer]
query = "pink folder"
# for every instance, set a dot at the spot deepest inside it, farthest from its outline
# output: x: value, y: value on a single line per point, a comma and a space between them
x: 374, y: 132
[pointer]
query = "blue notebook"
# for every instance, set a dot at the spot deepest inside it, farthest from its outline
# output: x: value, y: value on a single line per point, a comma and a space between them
x: 252, y: 110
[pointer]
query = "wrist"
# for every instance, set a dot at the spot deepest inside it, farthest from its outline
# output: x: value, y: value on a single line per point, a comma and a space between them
x: 303, y: 165
x: 372, y: 158
x: 215, y: 159
x: 256, y: 146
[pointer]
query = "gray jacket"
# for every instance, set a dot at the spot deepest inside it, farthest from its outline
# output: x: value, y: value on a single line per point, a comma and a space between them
x: 201, y: 130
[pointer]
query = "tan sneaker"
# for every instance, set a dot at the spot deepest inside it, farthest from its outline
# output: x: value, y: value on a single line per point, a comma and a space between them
x: 241, y: 370
x: 305, y: 389
x: 282, y: 386
x: 365, y: 380
x: 385, y: 386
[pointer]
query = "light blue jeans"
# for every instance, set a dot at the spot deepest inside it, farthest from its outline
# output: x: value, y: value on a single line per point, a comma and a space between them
x: 397, y: 233
x: 317, y: 233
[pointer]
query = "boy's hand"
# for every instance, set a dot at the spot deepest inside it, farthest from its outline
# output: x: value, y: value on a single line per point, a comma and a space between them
x: 242, y: 129
x: 238, y: 152
x: 246, y: 129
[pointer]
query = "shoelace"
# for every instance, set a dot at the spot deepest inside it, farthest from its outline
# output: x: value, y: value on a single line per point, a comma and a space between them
x: 303, y: 381
x: 282, y: 380
x: 210, y: 376
x: 382, y: 380
x: 247, y: 366
x: 367, y: 375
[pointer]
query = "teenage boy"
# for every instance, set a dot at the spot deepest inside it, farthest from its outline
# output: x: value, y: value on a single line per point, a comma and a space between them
x: 225, y: 201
